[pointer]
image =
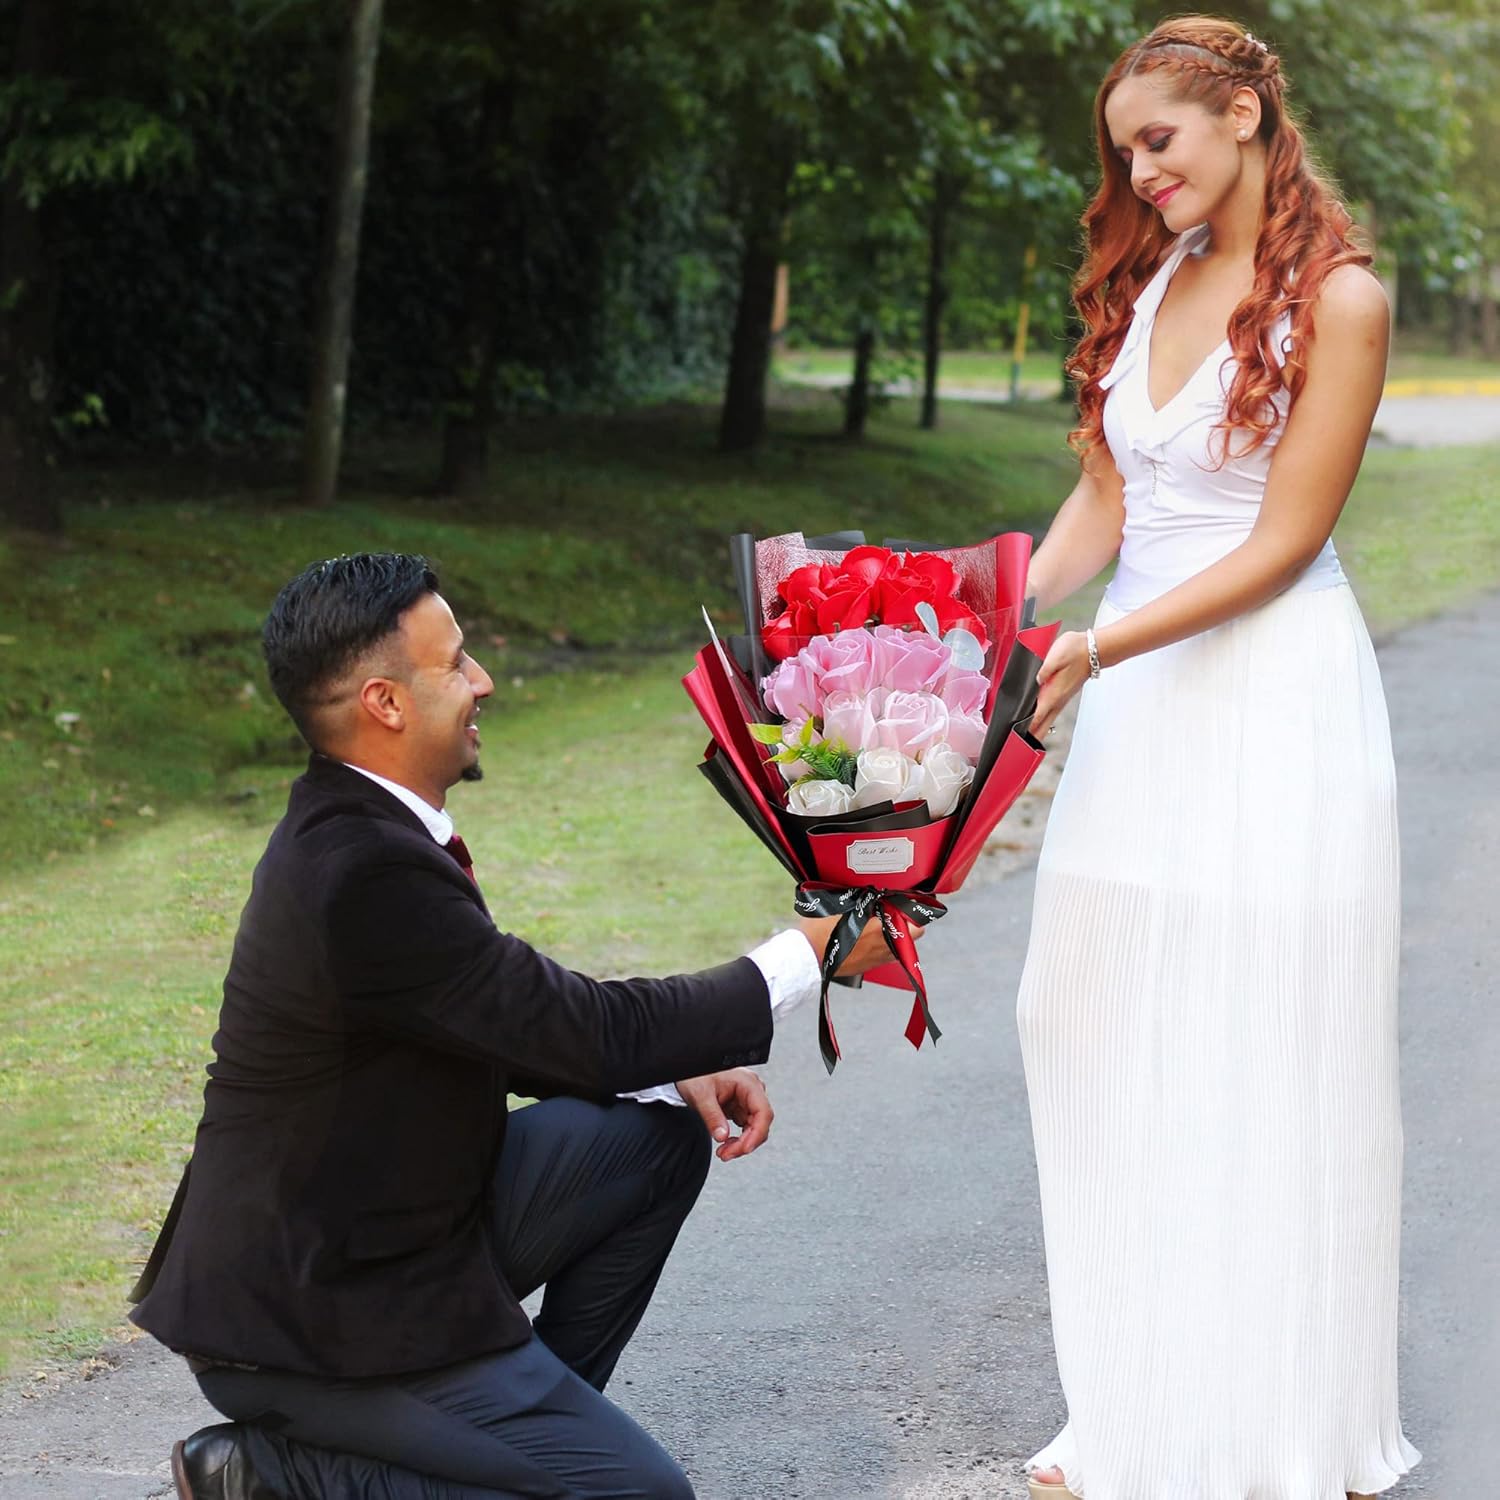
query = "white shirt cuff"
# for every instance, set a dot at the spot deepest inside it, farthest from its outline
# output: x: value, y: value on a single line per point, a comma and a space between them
x: 790, y: 968
x: 661, y: 1093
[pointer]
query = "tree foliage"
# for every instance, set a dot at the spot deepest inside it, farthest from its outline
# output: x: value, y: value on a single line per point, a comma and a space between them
x: 583, y: 202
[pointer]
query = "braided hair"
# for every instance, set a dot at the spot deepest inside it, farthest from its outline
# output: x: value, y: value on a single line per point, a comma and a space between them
x: 1305, y: 233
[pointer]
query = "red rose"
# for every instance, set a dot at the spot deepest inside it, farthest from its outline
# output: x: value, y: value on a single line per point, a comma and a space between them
x: 870, y: 585
x: 788, y: 632
x: 867, y: 564
x: 927, y: 577
x: 942, y: 573
x: 848, y: 605
x: 951, y: 614
x: 806, y: 584
x: 900, y: 593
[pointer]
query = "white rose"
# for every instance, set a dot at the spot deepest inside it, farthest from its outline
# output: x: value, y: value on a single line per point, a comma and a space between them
x: 817, y: 798
x: 941, y: 779
x: 883, y: 776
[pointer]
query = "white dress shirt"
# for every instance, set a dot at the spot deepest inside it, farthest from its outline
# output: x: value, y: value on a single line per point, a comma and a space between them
x: 786, y: 961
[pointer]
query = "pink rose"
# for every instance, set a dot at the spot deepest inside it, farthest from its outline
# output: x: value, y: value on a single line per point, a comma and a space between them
x: 966, y: 735
x: 845, y: 663
x: 964, y: 692
x: 909, y: 722
x: 792, y: 689
x: 849, y: 718
x: 911, y: 661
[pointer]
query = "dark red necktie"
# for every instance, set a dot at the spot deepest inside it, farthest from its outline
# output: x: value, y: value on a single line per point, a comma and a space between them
x: 460, y: 851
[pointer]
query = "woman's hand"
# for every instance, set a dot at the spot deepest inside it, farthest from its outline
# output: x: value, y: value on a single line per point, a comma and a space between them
x: 1065, y: 670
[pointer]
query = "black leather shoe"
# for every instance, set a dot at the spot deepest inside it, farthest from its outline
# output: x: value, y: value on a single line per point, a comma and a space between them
x: 213, y: 1465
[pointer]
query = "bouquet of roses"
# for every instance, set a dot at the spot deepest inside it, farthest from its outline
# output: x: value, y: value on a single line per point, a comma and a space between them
x: 871, y: 726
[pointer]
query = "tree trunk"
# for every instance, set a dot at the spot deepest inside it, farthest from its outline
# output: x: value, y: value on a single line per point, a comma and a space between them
x: 1458, y: 321
x: 323, y: 439
x: 1023, y: 324
x: 471, y: 412
x: 857, y: 405
x: 937, y: 297
x: 465, y: 470
x: 1489, y: 313
x: 742, y: 421
x: 28, y: 308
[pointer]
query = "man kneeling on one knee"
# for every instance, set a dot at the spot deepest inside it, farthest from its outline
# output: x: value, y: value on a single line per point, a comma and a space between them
x: 343, y: 1262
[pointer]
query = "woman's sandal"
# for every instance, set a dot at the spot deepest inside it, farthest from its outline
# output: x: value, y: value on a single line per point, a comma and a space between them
x: 1045, y: 1489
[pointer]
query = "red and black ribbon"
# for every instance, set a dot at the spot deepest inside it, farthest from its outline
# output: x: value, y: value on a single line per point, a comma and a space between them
x: 854, y: 906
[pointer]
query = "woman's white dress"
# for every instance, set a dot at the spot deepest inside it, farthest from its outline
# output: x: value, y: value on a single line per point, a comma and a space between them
x: 1208, y: 1012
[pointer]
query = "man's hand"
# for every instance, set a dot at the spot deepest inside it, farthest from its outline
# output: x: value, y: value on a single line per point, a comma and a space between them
x: 738, y: 1094
x: 870, y: 951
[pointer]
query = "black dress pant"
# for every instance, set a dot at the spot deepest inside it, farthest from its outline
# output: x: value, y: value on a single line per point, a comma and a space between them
x: 588, y: 1202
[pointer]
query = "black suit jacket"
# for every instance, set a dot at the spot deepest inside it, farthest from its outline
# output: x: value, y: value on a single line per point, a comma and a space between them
x: 334, y: 1219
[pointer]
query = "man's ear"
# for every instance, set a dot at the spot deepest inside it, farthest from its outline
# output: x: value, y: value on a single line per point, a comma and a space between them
x: 384, y: 701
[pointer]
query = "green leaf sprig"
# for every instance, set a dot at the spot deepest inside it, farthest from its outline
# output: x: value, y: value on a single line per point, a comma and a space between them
x: 829, y: 760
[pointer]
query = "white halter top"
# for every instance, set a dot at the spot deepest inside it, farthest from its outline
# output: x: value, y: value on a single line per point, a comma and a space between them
x: 1183, y: 511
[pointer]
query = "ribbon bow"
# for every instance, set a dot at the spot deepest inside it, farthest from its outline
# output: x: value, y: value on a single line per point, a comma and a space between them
x: 854, y: 907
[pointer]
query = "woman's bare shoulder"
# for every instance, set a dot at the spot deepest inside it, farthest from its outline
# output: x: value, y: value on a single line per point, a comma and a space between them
x: 1351, y: 301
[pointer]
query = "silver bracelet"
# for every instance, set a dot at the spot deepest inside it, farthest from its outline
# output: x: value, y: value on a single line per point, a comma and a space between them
x: 1094, y: 667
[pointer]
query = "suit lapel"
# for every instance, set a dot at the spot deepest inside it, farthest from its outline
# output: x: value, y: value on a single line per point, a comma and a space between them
x: 334, y: 782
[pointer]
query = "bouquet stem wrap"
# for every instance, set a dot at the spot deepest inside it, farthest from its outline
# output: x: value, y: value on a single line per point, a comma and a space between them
x: 854, y: 907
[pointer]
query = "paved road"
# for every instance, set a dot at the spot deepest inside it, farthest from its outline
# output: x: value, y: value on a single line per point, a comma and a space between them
x: 1403, y: 421
x: 1438, y: 421
x: 860, y: 1310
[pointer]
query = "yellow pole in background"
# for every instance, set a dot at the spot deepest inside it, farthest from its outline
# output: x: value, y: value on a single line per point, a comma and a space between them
x: 1023, y: 324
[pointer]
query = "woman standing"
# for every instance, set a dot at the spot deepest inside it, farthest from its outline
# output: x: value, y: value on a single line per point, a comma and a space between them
x: 1208, y: 1011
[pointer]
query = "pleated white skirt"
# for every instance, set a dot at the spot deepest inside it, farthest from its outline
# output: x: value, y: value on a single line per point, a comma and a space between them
x: 1208, y: 1021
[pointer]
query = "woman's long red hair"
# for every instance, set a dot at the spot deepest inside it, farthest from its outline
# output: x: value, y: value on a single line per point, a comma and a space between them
x: 1305, y: 233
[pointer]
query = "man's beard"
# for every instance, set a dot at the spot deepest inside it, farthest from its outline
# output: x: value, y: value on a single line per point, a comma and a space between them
x: 472, y: 772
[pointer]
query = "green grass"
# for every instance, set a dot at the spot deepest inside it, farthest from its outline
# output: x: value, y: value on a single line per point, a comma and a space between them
x: 130, y: 835
x: 962, y: 369
x: 1421, y: 531
x: 1416, y: 356
x: 599, y: 537
x: 1424, y: 356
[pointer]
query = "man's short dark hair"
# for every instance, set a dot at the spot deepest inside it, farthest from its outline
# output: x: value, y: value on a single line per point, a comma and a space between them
x: 328, y: 616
